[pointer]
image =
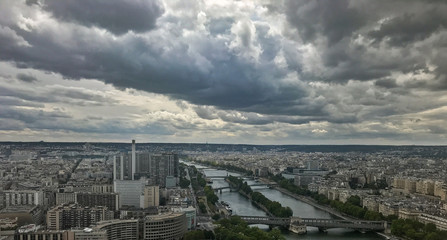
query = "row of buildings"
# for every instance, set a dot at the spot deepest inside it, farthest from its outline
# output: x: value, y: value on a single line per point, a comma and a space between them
x: 171, y: 225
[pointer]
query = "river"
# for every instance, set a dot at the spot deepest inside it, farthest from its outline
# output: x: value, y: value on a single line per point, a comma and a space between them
x: 242, y: 206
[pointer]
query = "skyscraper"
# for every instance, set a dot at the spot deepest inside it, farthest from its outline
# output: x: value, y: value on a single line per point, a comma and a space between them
x: 154, y: 166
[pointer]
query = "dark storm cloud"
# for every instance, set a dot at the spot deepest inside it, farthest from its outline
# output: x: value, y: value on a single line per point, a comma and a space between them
x: 410, y: 27
x: 386, y: 83
x: 58, y: 94
x: 245, y: 70
x: 342, y: 31
x: 332, y: 19
x: 222, y: 79
x: 26, y: 78
x: 13, y: 118
x: 117, y: 16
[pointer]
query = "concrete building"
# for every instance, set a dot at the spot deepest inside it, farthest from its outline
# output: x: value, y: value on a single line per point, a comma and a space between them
x: 33, y: 232
x: 41, y: 235
x: 65, y: 217
x: 306, y: 179
x: 441, y: 223
x: 388, y: 209
x: 313, y: 165
x: 103, y: 188
x: 131, y: 192
x: 22, y: 197
x: 155, y: 167
x: 371, y: 203
x: 165, y: 226
x: 399, y: 183
x: 87, y: 234
x: 65, y: 197
x: 191, y: 217
x: 119, y: 229
x: 410, y: 185
x: 8, y: 223
x: 151, y: 196
x: 91, y: 199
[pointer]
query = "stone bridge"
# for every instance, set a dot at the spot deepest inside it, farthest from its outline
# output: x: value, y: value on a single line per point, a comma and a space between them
x: 322, y: 224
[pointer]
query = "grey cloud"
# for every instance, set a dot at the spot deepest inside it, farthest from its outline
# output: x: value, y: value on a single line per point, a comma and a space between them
x: 333, y: 19
x: 57, y: 94
x: 13, y: 101
x: 410, y: 27
x: 26, y: 78
x: 220, y: 25
x: 117, y: 16
x: 182, y: 63
x: 205, y: 112
x: 12, y: 118
x: 386, y: 83
x: 30, y: 116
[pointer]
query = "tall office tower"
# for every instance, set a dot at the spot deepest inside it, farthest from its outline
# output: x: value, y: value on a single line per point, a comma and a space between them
x: 73, y: 216
x: 151, y: 196
x: 156, y: 167
x: 124, y: 165
x: 133, y: 160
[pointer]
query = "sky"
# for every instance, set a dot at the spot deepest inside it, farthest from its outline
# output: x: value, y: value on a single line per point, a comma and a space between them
x: 244, y: 72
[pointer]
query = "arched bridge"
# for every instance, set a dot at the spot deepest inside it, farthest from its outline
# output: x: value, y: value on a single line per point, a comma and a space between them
x: 321, y: 224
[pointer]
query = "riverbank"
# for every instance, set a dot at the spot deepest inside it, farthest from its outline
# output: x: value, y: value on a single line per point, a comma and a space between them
x: 260, y: 206
x: 313, y: 203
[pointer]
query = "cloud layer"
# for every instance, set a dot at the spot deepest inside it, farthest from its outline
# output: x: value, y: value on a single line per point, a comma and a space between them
x: 249, y: 71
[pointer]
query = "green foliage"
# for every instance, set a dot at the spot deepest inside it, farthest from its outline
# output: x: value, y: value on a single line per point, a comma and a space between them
x: 216, y: 217
x: 355, y: 200
x: 184, y: 183
x: 412, y: 229
x: 194, y: 235
x: 235, y: 228
x: 201, y: 180
x: 210, y: 196
x: 202, y: 207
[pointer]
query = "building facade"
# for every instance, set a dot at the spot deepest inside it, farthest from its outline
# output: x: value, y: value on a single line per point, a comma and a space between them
x: 64, y: 217
x: 165, y: 226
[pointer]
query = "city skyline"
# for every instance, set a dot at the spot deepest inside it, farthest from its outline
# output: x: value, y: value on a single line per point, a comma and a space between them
x: 248, y: 72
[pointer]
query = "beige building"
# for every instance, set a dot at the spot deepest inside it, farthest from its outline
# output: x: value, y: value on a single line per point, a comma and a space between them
x: 165, y: 226
x: 74, y: 216
x: 371, y: 204
x: 65, y: 197
x: 410, y: 185
x: 151, y: 196
x: 119, y: 229
x: 388, y: 209
x: 441, y: 223
x: 399, y: 183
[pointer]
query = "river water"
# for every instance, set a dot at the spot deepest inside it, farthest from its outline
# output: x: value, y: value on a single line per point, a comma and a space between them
x: 242, y: 206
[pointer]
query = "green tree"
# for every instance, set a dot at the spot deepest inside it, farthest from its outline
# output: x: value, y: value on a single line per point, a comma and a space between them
x: 194, y: 235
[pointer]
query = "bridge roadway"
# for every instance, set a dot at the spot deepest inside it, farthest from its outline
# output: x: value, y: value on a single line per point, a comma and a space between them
x: 321, y: 224
x: 254, y: 185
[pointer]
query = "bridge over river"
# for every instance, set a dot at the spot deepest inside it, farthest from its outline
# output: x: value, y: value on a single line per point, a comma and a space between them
x: 321, y: 224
